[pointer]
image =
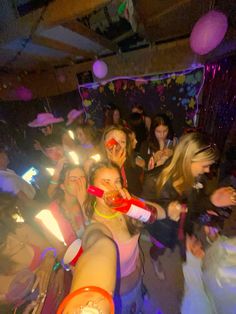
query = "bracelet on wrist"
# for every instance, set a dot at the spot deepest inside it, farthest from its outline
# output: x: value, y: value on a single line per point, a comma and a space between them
x: 54, y: 182
x: 56, y: 266
x: 49, y: 249
x: 91, y: 305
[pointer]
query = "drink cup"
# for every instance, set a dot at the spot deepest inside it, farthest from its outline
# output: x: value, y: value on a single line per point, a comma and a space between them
x: 73, y: 253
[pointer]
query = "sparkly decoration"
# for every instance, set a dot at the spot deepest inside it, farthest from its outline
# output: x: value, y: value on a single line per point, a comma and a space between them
x: 218, y: 110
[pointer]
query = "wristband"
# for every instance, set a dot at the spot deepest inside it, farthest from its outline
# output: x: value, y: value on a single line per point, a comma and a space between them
x: 56, y: 266
x: 48, y: 249
x: 91, y: 289
x: 53, y: 182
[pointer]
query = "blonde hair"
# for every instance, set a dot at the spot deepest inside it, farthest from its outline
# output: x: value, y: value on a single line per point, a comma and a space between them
x: 192, y: 147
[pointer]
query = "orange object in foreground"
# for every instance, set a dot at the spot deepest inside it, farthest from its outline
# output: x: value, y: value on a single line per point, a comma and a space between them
x: 99, y: 290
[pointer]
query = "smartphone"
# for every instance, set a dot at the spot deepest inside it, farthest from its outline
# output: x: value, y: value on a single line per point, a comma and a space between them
x: 29, y: 175
x: 111, y: 143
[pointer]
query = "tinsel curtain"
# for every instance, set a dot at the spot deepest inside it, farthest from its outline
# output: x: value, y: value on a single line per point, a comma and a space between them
x: 218, y: 110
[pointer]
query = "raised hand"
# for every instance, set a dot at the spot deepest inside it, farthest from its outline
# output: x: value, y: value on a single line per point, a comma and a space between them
x: 117, y: 156
x: 175, y: 209
x: 224, y: 197
x: 194, y: 246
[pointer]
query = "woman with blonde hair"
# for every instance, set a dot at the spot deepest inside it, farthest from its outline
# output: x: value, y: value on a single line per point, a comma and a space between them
x: 180, y: 191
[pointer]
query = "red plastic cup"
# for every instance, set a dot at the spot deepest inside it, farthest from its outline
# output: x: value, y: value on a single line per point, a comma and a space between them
x: 73, y: 253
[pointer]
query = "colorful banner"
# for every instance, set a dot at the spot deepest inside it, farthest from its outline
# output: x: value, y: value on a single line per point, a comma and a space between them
x: 174, y: 94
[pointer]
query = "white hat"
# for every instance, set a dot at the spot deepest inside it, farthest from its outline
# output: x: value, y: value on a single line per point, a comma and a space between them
x: 72, y: 115
x: 44, y: 119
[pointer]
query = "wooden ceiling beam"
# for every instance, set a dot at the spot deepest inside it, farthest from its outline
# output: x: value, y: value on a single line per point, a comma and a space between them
x: 27, y: 55
x: 81, y: 29
x: 58, y: 45
x: 57, y: 12
x: 62, y: 11
x: 153, y: 20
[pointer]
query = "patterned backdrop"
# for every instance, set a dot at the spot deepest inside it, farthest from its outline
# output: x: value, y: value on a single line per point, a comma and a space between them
x: 174, y: 94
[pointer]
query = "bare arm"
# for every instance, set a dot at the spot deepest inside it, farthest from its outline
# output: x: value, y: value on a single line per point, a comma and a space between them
x: 96, y: 267
x: 161, y: 214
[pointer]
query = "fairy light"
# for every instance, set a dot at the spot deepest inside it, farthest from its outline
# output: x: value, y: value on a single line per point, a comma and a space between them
x: 51, y: 171
x: 71, y: 134
x: 96, y: 157
x: 48, y: 220
x: 18, y: 218
x: 74, y: 157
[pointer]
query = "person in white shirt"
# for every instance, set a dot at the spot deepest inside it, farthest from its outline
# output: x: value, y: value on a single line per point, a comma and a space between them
x: 210, y: 277
x: 11, y: 182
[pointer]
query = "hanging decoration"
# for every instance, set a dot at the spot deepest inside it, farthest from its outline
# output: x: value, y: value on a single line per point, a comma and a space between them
x: 208, y: 32
x: 23, y: 93
x: 174, y: 94
x: 218, y: 109
x: 122, y: 7
x: 100, y: 69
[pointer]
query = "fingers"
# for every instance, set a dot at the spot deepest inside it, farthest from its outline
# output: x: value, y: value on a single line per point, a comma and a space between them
x: 151, y: 163
x: 124, y: 193
x: 35, y: 285
x: 194, y: 246
x: 211, y: 212
x: 82, y: 183
x: 184, y: 208
x: 175, y: 209
x: 233, y: 196
x: 117, y: 157
x: 43, y: 281
x: 30, y: 307
x: 42, y: 284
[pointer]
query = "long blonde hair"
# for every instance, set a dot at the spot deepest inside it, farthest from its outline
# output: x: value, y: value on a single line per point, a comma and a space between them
x: 192, y: 147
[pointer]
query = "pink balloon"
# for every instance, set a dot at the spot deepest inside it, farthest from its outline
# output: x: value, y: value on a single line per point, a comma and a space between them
x: 208, y: 32
x: 100, y: 69
x: 23, y: 93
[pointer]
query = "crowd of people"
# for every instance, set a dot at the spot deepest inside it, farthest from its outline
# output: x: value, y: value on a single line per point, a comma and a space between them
x: 138, y: 169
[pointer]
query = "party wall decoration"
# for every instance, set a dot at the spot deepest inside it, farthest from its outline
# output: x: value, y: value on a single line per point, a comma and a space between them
x: 174, y: 94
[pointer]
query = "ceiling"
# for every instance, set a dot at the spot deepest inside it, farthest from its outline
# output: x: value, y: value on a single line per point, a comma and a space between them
x: 39, y: 34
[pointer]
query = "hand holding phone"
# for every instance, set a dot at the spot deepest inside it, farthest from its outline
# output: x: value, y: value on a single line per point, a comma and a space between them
x: 29, y: 175
x: 115, y: 152
x: 111, y: 143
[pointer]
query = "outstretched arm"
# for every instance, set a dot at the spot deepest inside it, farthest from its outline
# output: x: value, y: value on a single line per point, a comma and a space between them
x: 95, y: 267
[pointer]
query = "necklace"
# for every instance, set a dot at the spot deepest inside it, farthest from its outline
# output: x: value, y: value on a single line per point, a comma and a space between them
x: 103, y: 215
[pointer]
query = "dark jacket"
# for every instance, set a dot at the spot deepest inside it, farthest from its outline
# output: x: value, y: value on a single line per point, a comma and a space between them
x: 166, y: 230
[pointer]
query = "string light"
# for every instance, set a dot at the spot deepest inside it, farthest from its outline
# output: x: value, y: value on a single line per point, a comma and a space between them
x: 25, y: 41
x: 47, y: 218
x: 74, y: 157
x: 51, y: 171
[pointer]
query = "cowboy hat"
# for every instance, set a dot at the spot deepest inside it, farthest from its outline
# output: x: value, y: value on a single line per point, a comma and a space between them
x: 44, y: 119
x: 72, y: 115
